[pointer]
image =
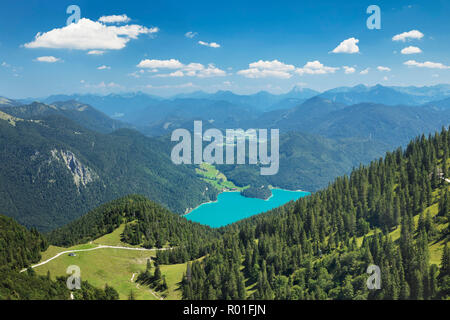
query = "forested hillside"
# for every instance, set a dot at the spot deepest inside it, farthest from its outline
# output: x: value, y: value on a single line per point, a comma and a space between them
x: 82, y: 114
x: 53, y: 171
x: 147, y: 224
x: 393, y: 213
x: 18, y: 246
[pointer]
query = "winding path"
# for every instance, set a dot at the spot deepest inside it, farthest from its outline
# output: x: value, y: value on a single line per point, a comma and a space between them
x: 91, y: 249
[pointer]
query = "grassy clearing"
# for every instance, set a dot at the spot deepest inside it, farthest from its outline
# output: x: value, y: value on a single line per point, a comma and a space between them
x: 216, y: 178
x: 174, y: 275
x: 114, y: 238
x: 114, y: 267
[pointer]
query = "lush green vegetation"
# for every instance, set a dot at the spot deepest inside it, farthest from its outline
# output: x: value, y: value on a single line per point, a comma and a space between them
x: 20, y: 248
x: 53, y: 171
x: 320, y: 246
x: 218, y: 180
x: 146, y: 223
x: 261, y: 192
x: 107, y: 266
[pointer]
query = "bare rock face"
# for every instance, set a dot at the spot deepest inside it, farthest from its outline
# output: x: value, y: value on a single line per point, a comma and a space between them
x: 82, y: 174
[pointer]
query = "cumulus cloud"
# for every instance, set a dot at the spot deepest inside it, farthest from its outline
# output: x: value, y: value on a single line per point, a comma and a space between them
x: 96, y: 52
x: 426, y: 64
x: 315, y: 67
x: 381, y: 68
x: 48, y: 59
x: 413, y: 34
x: 190, y: 70
x: 190, y: 34
x: 103, y: 85
x: 258, y: 73
x: 272, y: 65
x: 365, y: 71
x: 115, y: 19
x: 209, y: 44
x: 160, y: 64
x: 264, y: 69
x: 104, y: 67
x: 89, y: 35
x: 136, y: 74
x: 210, y: 71
x: 349, y: 70
x: 411, y: 50
x: 177, y: 86
x: 177, y: 74
x: 347, y: 46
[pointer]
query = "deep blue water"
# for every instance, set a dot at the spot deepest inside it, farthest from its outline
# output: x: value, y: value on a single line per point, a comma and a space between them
x: 231, y: 207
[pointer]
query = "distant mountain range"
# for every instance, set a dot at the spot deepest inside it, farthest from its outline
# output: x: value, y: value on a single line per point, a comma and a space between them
x: 67, y: 156
x: 155, y: 115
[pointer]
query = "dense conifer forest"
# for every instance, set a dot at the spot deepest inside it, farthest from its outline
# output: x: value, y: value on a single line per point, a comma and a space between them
x: 320, y: 246
x: 147, y: 224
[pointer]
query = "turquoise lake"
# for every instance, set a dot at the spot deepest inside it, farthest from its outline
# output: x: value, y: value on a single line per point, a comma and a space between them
x: 231, y: 207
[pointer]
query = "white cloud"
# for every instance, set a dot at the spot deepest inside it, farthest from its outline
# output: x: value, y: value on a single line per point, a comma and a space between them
x: 115, y: 19
x: 103, y: 85
x: 258, y: 73
x: 104, y: 68
x: 136, y: 74
x: 176, y: 74
x: 347, y: 46
x: 96, y: 52
x: 191, y: 70
x: 413, y: 34
x: 209, y: 44
x: 264, y: 69
x: 177, y: 86
x: 48, y: 59
x: 411, y: 50
x: 163, y: 64
x: 315, y: 67
x: 200, y: 71
x: 365, y: 71
x: 381, y: 68
x: 272, y: 65
x: 210, y: 71
x: 190, y: 34
x: 89, y: 35
x: 426, y: 64
x: 349, y: 70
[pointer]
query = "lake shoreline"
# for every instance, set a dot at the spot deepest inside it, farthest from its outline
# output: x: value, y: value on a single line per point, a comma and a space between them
x: 229, y: 207
x: 271, y: 188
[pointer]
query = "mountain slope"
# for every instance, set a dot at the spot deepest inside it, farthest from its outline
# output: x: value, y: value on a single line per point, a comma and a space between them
x: 389, y: 125
x: 82, y: 114
x: 53, y: 171
x: 393, y: 213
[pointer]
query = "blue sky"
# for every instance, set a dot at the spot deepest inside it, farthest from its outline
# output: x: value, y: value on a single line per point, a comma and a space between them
x: 242, y: 46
